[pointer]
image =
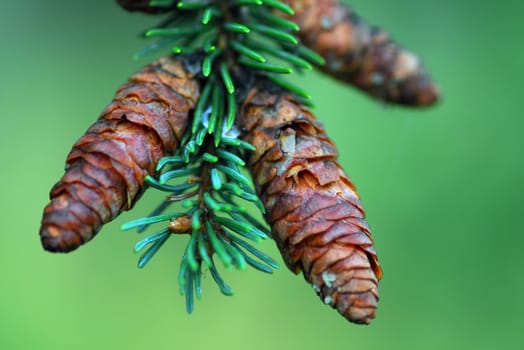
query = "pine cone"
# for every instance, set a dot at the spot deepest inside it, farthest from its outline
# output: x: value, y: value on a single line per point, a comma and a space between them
x: 362, y: 55
x: 312, y: 206
x: 106, y: 168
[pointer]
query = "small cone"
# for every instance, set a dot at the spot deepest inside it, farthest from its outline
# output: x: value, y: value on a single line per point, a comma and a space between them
x: 311, y: 205
x: 362, y: 55
x: 107, y: 167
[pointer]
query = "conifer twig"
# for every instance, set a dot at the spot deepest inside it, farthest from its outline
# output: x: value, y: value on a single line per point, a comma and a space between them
x: 188, y: 125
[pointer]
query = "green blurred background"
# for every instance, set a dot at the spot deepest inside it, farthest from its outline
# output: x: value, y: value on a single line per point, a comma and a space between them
x: 442, y: 187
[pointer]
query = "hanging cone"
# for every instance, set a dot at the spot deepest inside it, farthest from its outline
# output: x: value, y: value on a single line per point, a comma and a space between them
x: 106, y: 168
x: 362, y: 55
x: 311, y: 205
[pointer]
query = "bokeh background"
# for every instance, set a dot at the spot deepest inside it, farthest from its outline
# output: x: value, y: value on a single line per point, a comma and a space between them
x: 443, y: 190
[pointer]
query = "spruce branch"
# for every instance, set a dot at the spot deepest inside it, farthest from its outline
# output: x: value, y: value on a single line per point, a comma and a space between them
x: 192, y: 124
x: 205, y: 175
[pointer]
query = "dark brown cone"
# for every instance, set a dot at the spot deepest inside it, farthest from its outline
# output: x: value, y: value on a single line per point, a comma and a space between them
x: 106, y: 168
x: 362, y: 55
x: 143, y: 6
x: 312, y: 206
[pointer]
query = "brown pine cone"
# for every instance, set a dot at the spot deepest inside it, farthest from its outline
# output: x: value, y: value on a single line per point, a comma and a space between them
x: 106, y: 168
x: 312, y: 206
x: 362, y: 55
